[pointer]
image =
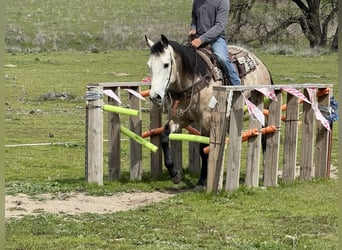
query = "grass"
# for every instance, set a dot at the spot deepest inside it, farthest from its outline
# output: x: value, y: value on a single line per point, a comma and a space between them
x: 79, y: 25
x: 285, y: 217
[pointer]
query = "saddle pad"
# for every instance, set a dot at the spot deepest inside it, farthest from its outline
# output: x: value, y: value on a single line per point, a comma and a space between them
x: 248, y: 61
x: 244, y: 61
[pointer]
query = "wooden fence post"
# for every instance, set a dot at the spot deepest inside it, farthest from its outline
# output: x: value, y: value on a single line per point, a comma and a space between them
x: 135, y: 148
x: 114, y: 141
x: 322, y: 142
x: 254, y: 144
x: 156, y: 158
x: 95, y: 137
x: 217, y: 141
x: 271, y: 156
x: 234, y: 146
x: 291, y: 138
x: 194, y: 155
x: 307, y: 153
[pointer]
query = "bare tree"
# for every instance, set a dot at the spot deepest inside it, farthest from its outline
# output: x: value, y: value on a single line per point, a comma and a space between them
x: 316, y: 17
x: 240, y: 9
x: 334, y: 43
x: 265, y: 21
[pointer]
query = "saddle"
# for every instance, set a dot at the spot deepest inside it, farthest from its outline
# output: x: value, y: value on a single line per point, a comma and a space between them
x: 243, y: 61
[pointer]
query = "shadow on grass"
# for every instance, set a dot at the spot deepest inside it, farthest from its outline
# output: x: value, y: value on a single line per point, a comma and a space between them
x: 124, y: 184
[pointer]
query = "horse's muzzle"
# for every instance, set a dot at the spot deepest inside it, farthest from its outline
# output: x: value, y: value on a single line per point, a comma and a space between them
x: 157, y: 99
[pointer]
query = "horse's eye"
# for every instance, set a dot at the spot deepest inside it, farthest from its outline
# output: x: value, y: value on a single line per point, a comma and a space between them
x: 166, y: 65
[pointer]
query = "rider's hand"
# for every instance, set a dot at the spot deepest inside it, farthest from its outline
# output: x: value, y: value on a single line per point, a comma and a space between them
x: 192, y: 32
x: 196, y: 43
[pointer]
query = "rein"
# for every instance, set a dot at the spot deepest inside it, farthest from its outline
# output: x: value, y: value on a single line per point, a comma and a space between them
x: 195, y: 88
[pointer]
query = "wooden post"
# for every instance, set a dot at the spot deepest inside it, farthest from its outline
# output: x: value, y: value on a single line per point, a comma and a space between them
x: 290, y: 138
x: 86, y: 142
x: 114, y: 141
x: 95, y: 138
x: 271, y: 156
x: 254, y: 145
x: 306, y: 162
x: 322, y: 142
x: 156, y: 158
x: 217, y: 141
x: 234, y: 146
x: 194, y: 155
x: 135, y: 148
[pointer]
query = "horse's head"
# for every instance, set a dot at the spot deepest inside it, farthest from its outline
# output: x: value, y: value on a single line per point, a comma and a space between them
x: 162, y: 64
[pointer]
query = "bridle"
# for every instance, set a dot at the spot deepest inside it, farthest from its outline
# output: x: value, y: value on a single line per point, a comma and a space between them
x: 170, y: 73
x: 196, y: 87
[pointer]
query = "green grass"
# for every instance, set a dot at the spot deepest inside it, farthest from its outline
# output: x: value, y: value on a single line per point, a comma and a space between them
x: 41, y: 25
x: 300, y: 216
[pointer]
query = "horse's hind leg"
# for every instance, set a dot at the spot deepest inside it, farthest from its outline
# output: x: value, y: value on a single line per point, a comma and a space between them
x: 204, y: 169
x: 175, y: 174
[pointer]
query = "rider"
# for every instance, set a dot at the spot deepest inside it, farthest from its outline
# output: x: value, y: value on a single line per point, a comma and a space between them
x: 209, y: 20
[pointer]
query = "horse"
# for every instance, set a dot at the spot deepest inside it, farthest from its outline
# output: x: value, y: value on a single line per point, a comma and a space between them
x: 182, y: 84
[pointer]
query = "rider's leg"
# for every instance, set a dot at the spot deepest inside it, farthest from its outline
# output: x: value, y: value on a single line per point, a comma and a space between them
x: 221, y: 51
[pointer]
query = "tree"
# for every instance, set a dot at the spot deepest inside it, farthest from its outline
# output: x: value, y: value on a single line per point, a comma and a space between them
x: 334, y: 43
x: 240, y: 9
x: 274, y: 21
x: 315, y: 19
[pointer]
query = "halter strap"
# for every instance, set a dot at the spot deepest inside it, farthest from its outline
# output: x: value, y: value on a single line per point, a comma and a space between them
x: 170, y: 73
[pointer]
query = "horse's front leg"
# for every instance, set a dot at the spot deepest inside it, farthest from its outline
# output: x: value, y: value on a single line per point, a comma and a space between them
x: 174, y: 173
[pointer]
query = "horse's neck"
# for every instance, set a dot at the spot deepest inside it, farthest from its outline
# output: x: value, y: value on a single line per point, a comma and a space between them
x: 183, y: 81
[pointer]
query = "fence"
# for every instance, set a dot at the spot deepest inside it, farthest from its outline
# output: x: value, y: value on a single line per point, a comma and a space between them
x: 94, y: 136
x: 315, y: 146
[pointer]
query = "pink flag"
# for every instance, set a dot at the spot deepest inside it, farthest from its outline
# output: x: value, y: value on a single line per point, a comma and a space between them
x: 312, y: 94
x: 147, y: 79
x: 270, y: 93
x: 297, y: 93
x: 254, y: 111
x: 111, y: 94
x: 135, y: 93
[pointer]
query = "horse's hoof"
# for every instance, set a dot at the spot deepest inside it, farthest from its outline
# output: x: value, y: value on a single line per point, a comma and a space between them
x: 177, y: 177
x: 200, y: 188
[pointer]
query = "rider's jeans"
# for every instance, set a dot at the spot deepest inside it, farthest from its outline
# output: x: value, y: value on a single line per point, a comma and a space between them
x: 221, y: 51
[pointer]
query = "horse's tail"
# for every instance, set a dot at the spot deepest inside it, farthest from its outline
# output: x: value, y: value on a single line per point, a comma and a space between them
x: 269, y: 72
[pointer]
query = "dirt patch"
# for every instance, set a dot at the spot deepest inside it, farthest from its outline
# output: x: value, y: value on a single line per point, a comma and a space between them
x: 17, y: 206
x: 77, y: 203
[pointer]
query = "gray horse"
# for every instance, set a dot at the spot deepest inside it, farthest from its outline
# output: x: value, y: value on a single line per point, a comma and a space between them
x: 182, y: 83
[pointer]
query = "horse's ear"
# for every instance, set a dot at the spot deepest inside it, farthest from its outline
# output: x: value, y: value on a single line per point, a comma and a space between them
x: 165, y: 41
x: 149, y: 42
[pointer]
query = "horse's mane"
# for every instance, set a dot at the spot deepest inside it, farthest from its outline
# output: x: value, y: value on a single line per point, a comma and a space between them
x: 193, y: 63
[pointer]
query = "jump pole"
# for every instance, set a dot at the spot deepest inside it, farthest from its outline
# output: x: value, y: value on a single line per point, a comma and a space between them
x: 189, y: 137
x: 138, y: 139
x: 120, y: 110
